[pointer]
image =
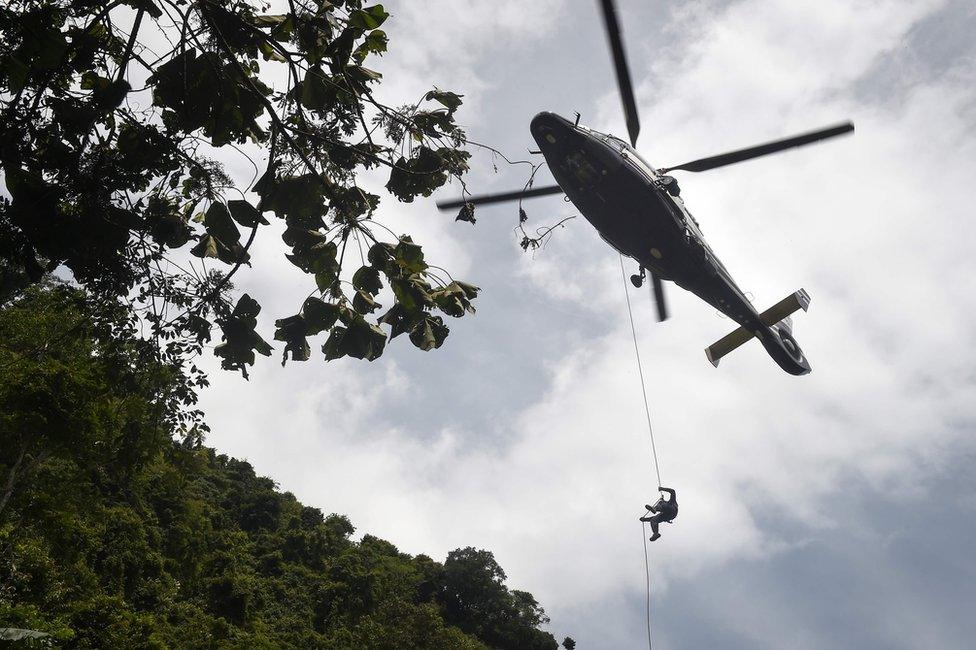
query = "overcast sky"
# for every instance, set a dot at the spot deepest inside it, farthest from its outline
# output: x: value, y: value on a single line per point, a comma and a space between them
x: 831, y: 510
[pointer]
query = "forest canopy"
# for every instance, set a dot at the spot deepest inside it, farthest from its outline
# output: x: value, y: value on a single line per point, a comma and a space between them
x: 115, y: 115
x: 112, y: 534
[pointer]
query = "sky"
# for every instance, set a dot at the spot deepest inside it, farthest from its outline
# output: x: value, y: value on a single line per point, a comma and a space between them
x: 831, y: 510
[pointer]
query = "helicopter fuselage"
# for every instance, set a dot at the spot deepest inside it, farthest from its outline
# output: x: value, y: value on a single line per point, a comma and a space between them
x: 639, y: 212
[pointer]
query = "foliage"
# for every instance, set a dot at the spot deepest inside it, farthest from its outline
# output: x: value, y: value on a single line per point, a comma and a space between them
x: 54, y: 401
x: 111, y: 114
x: 476, y: 599
x: 117, y: 536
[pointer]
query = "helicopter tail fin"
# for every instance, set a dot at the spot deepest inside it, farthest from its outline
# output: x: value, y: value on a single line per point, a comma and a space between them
x: 775, y: 315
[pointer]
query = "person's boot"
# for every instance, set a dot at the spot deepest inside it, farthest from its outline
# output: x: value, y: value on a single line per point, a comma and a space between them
x: 655, y: 536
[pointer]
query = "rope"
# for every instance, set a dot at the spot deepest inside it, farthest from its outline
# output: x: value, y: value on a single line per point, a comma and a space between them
x: 650, y: 433
x: 647, y: 584
x: 640, y: 371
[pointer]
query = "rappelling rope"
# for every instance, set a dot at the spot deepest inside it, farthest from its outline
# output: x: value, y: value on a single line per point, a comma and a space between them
x: 650, y: 433
x: 647, y: 585
x: 640, y: 372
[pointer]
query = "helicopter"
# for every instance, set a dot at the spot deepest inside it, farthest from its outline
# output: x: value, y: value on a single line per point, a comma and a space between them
x: 637, y: 209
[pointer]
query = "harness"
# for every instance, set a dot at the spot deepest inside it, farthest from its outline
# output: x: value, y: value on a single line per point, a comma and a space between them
x: 666, y: 508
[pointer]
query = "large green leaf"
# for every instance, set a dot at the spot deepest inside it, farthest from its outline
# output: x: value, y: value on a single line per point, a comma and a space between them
x: 340, y: 49
x: 323, y: 263
x: 185, y: 85
x: 455, y: 300
x: 466, y: 213
x: 429, y: 333
x: 427, y: 169
x: 409, y: 256
x: 449, y: 100
x: 220, y: 224
x: 247, y: 308
x: 360, y: 340
x: 367, y: 278
x: 206, y: 246
x: 241, y: 340
x: 398, y: 320
x: 379, y: 254
x: 245, y: 214
x: 364, y: 303
x: 411, y: 294
x: 292, y: 196
x: 166, y: 224
x: 15, y: 72
x: 303, y: 238
x: 292, y: 331
x: 319, y: 315
x: 368, y: 17
x: 315, y: 92
x: 289, y: 328
x: 362, y: 75
x: 375, y: 42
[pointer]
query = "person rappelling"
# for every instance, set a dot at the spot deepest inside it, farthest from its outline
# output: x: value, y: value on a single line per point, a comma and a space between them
x: 664, y: 510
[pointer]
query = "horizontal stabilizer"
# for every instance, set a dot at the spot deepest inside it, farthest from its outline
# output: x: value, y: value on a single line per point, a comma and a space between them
x: 781, y: 310
x: 788, y: 305
x: 726, y: 344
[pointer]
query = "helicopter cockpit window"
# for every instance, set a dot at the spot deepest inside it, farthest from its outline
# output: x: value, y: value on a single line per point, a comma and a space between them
x: 580, y: 167
x: 630, y: 153
x: 634, y: 158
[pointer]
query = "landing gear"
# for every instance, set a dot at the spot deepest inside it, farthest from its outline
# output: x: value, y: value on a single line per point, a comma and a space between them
x: 638, y: 280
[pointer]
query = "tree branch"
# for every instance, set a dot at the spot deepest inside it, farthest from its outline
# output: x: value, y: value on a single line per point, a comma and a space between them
x: 130, y: 44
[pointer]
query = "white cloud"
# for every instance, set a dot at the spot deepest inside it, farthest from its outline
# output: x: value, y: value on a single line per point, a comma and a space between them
x: 876, y: 226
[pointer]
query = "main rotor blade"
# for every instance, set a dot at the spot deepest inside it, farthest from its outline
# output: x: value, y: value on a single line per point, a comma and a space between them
x: 499, y: 198
x: 704, y: 164
x: 662, y: 307
x: 620, y: 65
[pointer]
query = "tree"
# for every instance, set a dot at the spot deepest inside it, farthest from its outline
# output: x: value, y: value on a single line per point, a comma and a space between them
x: 125, y: 538
x: 475, y: 598
x: 55, y: 402
x: 111, y: 113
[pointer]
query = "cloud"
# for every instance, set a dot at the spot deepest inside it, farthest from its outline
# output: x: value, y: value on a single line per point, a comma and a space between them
x: 526, y: 433
x: 443, y: 41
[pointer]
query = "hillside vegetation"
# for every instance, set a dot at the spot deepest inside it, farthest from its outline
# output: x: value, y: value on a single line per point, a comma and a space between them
x: 119, y: 529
